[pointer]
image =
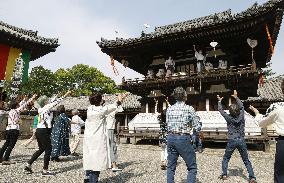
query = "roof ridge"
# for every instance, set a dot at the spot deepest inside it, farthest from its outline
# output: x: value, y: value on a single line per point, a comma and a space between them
x: 209, y: 20
x: 25, y: 32
x: 227, y: 12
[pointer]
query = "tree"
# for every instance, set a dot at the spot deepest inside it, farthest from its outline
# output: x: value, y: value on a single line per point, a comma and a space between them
x: 87, y: 78
x: 41, y: 81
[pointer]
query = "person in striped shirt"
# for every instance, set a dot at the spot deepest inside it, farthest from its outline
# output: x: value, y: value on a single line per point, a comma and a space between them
x: 13, y: 129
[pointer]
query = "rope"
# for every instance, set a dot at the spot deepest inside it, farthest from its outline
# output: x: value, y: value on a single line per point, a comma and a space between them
x: 269, y: 39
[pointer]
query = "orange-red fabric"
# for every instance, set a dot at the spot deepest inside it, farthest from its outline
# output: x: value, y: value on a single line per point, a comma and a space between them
x: 4, y: 53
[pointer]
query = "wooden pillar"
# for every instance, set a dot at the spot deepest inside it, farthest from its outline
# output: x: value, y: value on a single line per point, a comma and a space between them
x: 126, y: 120
x: 164, y: 105
x: 147, y: 108
x: 126, y: 125
x: 207, y: 104
x: 118, y: 131
x: 267, y: 141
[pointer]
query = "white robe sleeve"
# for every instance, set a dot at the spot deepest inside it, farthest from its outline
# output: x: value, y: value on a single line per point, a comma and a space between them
x: 109, y: 108
x: 265, y: 121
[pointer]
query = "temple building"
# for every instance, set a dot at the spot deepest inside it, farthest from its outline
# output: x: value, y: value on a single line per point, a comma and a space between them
x: 17, y: 42
x: 211, y: 55
x: 208, y: 56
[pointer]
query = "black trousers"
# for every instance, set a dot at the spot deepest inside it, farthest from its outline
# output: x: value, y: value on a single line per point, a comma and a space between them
x: 44, y: 145
x: 11, y: 140
x: 279, y: 161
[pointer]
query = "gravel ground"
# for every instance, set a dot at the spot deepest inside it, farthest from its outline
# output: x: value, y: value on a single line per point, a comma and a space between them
x: 141, y: 164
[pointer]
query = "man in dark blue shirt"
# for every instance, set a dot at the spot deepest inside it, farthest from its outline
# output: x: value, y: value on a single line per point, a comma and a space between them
x: 236, y: 133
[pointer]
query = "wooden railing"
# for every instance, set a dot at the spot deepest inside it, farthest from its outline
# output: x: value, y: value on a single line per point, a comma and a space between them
x: 141, y: 133
x: 215, y: 72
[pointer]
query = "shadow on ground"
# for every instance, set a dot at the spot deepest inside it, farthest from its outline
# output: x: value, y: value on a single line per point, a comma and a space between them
x: 238, y: 172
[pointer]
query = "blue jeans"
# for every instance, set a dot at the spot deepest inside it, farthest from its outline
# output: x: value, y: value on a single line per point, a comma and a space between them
x: 196, y: 141
x: 92, y: 176
x: 239, y: 144
x: 181, y: 145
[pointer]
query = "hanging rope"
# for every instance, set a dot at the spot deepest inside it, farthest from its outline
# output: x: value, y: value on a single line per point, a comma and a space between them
x: 113, y: 66
x: 269, y: 39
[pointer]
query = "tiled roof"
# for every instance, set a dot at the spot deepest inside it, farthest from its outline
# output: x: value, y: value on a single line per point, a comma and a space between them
x: 27, y: 35
x: 191, y: 25
x: 270, y: 91
x: 82, y: 103
x: 131, y: 101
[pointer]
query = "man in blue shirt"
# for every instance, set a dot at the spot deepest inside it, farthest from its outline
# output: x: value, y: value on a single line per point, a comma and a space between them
x: 180, y: 119
x: 236, y: 136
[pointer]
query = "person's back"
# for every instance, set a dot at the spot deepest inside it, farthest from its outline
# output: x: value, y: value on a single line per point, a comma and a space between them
x: 180, y: 119
x: 275, y: 116
x: 236, y: 133
x: 76, y: 127
x: 235, y: 120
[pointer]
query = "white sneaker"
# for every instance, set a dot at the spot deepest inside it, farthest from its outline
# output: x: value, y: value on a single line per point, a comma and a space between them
x: 116, y: 169
x: 47, y: 173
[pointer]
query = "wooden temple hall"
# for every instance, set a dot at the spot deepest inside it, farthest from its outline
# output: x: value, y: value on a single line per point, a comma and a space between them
x: 17, y: 42
x: 210, y: 55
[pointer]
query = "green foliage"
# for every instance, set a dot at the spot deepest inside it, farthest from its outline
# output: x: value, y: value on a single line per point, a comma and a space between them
x: 44, y: 82
x: 268, y: 71
x: 41, y: 81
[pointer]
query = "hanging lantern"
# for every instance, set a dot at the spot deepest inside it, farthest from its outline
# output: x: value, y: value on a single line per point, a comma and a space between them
x: 214, y: 44
x: 252, y: 43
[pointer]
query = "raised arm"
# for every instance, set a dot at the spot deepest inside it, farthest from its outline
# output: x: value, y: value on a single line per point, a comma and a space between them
x: 23, y: 105
x: 270, y: 119
x: 220, y: 107
x: 239, y: 102
x: 55, y: 102
x: 112, y: 107
x: 194, y: 48
x: 264, y: 121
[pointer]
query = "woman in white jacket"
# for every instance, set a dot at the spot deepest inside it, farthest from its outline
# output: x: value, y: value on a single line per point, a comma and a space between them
x: 96, y: 156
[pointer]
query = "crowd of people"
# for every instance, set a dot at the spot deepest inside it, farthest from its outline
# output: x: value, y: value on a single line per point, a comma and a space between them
x: 52, y: 130
x: 180, y: 134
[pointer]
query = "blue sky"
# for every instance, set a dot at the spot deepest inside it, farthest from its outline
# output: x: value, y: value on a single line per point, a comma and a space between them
x: 80, y: 23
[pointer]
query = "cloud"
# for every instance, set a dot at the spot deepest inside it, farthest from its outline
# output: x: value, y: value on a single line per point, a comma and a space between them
x: 79, y: 24
x: 77, y: 28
